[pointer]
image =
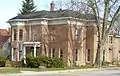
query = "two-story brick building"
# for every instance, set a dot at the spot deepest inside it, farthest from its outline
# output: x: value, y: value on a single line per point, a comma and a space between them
x: 58, y: 34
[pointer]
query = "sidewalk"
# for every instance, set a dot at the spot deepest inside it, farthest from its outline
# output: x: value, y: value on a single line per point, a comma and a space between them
x: 54, y: 72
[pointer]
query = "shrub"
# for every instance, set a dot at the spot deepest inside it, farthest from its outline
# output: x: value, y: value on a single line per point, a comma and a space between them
x: 35, y: 62
x: 41, y: 67
x: 8, y: 63
x: 2, y: 61
x: 32, y: 62
x: 58, y: 63
x: 105, y: 63
x: 86, y: 66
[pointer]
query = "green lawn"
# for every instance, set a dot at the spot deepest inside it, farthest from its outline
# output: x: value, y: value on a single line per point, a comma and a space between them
x: 9, y: 70
x: 45, y: 69
x: 51, y: 69
x: 18, y: 70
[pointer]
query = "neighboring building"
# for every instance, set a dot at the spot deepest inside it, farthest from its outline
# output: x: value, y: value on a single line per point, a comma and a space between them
x: 56, y: 34
x: 4, y: 43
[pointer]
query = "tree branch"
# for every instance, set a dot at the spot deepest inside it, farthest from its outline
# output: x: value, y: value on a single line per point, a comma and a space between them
x: 116, y: 15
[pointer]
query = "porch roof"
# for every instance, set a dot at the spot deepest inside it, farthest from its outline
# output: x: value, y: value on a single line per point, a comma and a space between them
x: 31, y: 43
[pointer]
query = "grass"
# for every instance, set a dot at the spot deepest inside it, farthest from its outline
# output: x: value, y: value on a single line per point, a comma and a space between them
x: 18, y: 70
x: 52, y: 69
x: 44, y: 69
x: 9, y: 70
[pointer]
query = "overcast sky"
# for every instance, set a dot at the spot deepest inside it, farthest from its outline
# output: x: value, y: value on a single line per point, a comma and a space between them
x: 10, y: 8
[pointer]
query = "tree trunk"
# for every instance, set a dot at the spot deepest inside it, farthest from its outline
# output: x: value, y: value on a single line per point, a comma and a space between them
x: 97, y: 58
x: 99, y: 53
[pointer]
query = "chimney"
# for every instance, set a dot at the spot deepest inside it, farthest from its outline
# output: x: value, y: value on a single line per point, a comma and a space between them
x: 52, y: 5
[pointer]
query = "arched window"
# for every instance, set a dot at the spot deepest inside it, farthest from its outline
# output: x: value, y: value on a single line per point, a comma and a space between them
x: 20, y: 34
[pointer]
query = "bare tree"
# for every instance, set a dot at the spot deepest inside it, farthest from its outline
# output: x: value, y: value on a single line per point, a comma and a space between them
x: 105, y: 13
x: 110, y: 11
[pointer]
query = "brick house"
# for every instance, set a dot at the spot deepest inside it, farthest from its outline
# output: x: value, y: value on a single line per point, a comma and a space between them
x: 59, y: 34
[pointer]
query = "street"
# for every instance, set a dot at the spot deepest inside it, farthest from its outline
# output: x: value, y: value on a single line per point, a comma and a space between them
x: 90, y: 73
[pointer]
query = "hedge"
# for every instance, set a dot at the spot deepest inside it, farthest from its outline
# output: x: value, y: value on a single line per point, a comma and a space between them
x: 48, y: 62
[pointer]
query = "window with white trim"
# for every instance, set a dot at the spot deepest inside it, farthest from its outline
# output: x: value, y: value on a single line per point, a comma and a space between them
x: 53, y: 52
x: 14, y: 54
x: 21, y: 34
x: 110, y: 39
x: 61, y: 53
x: 52, y: 34
x: 88, y: 55
x: 76, y: 54
x: 76, y: 33
x: 15, y: 34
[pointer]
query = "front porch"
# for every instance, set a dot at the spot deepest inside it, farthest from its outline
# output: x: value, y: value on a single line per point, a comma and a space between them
x: 32, y: 49
x: 25, y: 48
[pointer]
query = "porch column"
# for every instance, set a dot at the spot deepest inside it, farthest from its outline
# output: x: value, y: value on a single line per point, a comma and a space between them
x: 59, y: 52
x: 51, y: 52
x: 12, y: 54
x: 24, y: 54
x: 34, y: 50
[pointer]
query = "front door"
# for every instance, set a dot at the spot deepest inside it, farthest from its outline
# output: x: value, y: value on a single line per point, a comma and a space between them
x: 32, y: 51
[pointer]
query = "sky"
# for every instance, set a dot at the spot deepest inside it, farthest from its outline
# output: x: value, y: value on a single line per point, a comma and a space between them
x: 10, y: 8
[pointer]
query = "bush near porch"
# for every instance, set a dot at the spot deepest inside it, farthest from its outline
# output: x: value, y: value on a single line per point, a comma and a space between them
x: 47, y: 62
x: 2, y: 61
